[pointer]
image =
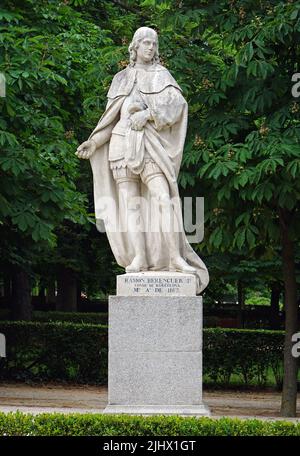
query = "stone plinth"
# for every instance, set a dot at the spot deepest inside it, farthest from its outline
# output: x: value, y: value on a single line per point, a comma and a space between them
x: 155, y: 347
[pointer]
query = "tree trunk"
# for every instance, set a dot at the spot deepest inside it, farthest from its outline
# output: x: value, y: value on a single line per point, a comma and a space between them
x: 79, y: 300
x: 66, y: 291
x: 42, y: 296
x: 50, y: 293
x: 274, y: 311
x: 7, y: 289
x: 289, y: 392
x: 21, y: 308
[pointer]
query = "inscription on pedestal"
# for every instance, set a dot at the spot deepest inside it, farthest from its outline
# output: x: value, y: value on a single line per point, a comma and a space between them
x: 156, y: 284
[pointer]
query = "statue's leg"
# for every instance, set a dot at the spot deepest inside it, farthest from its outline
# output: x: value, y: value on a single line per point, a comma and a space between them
x: 159, y: 191
x: 129, y: 196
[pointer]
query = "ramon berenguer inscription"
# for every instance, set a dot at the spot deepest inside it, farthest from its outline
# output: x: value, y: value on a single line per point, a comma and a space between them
x: 135, y: 153
x: 160, y: 284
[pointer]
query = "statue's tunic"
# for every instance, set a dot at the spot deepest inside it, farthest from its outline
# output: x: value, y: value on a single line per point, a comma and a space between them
x: 161, y: 140
x: 118, y: 144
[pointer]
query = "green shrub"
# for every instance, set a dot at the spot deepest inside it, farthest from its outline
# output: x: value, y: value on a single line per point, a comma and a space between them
x: 249, y: 354
x: 60, y: 351
x: 94, y: 318
x: 125, y: 425
x: 77, y: 352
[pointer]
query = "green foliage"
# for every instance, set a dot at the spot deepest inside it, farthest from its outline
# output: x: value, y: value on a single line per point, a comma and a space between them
x: 59, y: 351
x: 13, y: 424
x: 58, y: 59
x: 77, y: 352
x: 235, y: 64
x: 37, y: 167
x: 257, y: 299
x: 248, y: 354
x: 99, y: 318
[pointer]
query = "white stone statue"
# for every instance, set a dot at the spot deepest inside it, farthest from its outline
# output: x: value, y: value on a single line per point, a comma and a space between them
x: 135, y: 152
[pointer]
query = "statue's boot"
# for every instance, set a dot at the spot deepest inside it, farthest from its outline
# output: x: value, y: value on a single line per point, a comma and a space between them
x: 138, y: 264
x: 179, y: 264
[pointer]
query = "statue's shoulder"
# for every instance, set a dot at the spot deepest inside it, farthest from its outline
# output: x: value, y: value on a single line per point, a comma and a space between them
x: 153, y: 80
x: 158, y: 67
x: 121, y: 74
x: 166, y: 74
x: 121, y: 83
x: 160, y: 78
x: 161, y: 70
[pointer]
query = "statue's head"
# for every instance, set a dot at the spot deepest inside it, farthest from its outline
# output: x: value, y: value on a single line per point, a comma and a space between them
x: 144, y: 46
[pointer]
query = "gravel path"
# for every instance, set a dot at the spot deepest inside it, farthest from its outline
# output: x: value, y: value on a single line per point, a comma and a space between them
x: 93, y: 399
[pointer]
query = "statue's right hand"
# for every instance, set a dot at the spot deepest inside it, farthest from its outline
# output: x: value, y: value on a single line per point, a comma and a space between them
x: 86, y: 149
x: 136, y: 106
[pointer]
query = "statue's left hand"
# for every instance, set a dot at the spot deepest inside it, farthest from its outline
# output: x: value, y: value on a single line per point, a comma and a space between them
x: 139, y: 119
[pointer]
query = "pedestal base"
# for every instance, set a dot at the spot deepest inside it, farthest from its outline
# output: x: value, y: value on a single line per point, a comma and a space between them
x: 155, y: 347
x: 147, y: 410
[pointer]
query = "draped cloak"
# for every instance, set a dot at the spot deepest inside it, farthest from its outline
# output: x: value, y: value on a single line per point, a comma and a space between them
x: 163, y: 138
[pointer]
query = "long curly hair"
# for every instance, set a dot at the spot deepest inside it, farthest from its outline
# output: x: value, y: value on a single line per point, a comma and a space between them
x: 137, y: 38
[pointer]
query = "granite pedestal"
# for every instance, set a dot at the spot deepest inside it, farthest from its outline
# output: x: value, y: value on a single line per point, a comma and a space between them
x: 155, y: 345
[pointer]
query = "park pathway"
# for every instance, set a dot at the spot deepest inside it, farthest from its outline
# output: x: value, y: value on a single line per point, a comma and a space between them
x: 93, y: 399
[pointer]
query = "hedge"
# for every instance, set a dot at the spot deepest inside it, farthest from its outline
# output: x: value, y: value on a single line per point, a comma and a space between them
x: 94, y: 318
x: 99, y: 318
x: 77, y: 353
x: 18, y: 424
x: 251, y: 355
x: 58, y: 351
x: 210, y: 320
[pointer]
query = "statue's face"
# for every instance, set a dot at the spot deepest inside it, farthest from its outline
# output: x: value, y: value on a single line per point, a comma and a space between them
x: 146, y: 50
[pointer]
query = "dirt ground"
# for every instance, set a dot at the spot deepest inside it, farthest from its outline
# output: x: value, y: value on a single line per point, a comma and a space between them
x: 93, y: 399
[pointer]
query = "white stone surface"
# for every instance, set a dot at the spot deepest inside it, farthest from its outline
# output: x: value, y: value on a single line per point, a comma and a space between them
x: 156, y: 283
x: 153, y: 324
x: 155, y: 378
x: 182, y: 410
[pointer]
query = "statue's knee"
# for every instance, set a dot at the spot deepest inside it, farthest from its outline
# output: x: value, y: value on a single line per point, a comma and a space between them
x: 163, y: 199
x: 128, y: 189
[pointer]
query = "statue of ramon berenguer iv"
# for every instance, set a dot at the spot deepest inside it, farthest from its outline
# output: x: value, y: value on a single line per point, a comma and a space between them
x: 135, y: 152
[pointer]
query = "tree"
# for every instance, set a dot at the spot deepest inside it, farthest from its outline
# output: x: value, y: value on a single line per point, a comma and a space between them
x: 41, y: 60
x: 58, y: 59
